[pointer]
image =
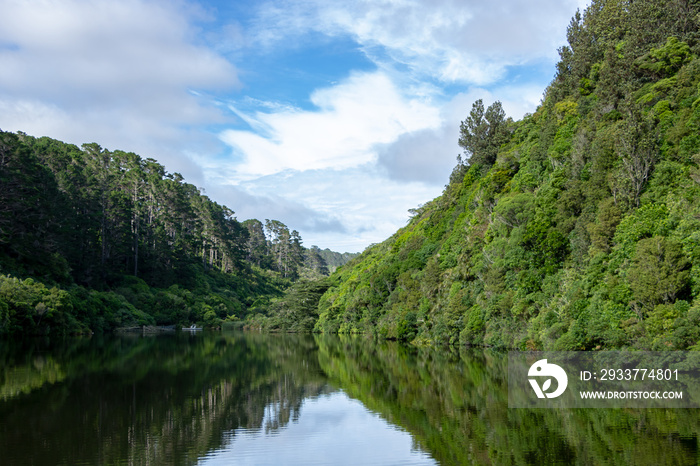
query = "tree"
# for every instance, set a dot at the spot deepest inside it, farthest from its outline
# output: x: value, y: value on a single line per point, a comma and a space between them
x: 636, y: 147
x: 296, y: 256
x: 280, y: 241
x: 256, y: 248
x: 667, y: 60
x: 483, y: 133
x: 659, y: 273
x: 29, y: 199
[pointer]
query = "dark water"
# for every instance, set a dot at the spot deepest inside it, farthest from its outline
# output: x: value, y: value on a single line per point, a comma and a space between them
x: 243, y: 398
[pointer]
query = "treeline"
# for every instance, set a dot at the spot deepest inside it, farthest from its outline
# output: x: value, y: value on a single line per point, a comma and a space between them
x: 91, y: 239
x: 272, y: 246
x: 577, y: 227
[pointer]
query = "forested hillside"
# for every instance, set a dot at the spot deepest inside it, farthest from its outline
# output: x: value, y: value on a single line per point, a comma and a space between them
x: 333, y: 259
x: 577, y: 227
x: 92, y: 239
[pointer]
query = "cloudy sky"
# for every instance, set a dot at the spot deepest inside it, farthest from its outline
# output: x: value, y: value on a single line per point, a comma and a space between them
x: 335, y: 117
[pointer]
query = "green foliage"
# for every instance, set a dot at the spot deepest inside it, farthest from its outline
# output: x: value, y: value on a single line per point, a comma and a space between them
x: 296, y: 311
x: 602, y: 230
x: 668, y: 59
x: 407, y: 327
x: 483, y: 132
x: 647, y: 221
x: 659, y: 271
x: 30, y: 307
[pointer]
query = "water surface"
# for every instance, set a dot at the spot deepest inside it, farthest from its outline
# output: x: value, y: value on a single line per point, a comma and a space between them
x: 246, y: 398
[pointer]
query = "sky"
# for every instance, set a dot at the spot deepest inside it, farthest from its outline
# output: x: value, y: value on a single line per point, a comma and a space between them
x: 334, y: 117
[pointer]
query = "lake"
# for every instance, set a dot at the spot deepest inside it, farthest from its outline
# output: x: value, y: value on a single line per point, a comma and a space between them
x: 247, y: 398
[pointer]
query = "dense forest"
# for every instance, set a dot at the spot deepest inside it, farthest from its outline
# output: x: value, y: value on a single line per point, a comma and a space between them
x: 577, y: 227
x: 92, y: 239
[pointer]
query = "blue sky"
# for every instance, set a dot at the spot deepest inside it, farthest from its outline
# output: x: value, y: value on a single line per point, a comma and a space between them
x: 335, y: 117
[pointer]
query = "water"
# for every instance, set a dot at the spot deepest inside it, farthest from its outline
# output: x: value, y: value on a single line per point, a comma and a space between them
x: 246, y: 398
x: 330, y: 429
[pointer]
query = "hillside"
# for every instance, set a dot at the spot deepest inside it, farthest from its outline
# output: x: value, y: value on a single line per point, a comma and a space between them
x: 93, y: 239
x: 334, y: 259
x: 577, y: 227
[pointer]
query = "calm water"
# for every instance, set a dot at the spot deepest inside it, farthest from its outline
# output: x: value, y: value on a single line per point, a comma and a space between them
x: 242, y: 398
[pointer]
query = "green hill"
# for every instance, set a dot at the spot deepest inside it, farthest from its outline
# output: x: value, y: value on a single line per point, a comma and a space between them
x: 333, y: 259
x: 577, y: 227
x: 93, y: 239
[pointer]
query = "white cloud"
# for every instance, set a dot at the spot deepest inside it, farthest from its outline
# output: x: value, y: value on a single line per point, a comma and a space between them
x: 252, y: 202
x: 352, y: 118
x: 346, y: 174
x: 121, y: 73
x: 429, y: 155
x: 452, y: 40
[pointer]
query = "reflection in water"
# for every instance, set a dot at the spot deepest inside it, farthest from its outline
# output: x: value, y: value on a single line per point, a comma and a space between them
x: 332, y: 429
x: 152, y: 400
x: 285, y: 399
x: 456, y: 407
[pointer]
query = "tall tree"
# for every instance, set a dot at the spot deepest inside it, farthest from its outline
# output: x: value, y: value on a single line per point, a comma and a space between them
x: 483, y: 133
x: 256, y: 248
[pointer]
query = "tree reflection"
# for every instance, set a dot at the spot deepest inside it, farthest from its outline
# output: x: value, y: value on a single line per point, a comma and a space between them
x: 455, y: 404
x: 175, y: 398
x: 154, y: 399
